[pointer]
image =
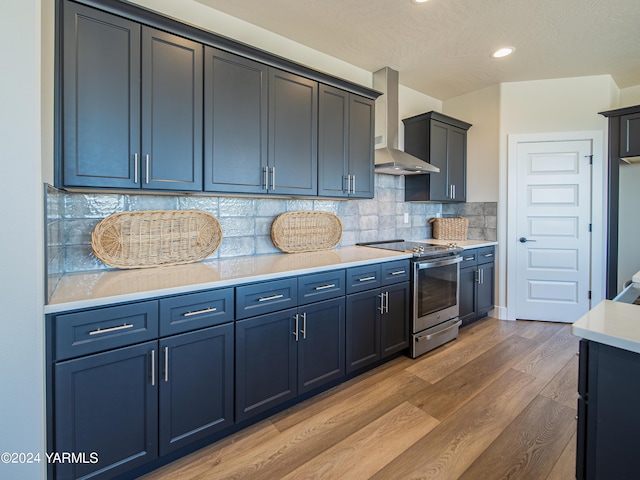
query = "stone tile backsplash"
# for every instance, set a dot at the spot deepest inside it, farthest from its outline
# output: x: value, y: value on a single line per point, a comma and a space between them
x: 246, y: 222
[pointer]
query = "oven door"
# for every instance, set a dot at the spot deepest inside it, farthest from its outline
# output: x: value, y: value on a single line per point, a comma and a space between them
x: 435, y: 291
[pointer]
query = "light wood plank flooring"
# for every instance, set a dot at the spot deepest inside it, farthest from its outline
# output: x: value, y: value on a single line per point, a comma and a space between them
x: 497, y: 403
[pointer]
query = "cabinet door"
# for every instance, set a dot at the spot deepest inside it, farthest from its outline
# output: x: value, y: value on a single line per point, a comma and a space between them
x: 361, y: 133
x: 196, y: 386
x: 333, y: 141
x: 107, y: 403
x: 293, y: 135
x: 171, y: 112
x: 363, y: 329
x: 100, y: 98
x: 235, y: 123
x: 485, y: 288
x: 266, y: 362
x: 630, y: 135
x: 457, y: 164
x: 320, y: 343
x: 467, y: 294
x: 438, y: 154
x: 394, y: 321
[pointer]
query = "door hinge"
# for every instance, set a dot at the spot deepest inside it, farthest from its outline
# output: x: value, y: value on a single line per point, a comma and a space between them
x: 590, y: 227
x: 589, y: 294
x: 590, y: 157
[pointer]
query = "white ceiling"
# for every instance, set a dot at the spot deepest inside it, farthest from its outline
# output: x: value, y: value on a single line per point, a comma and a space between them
x: 441, y: 48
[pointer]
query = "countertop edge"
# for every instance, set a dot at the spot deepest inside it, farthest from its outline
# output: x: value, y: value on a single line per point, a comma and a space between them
x: 380, y: 256
x: 611, y: 323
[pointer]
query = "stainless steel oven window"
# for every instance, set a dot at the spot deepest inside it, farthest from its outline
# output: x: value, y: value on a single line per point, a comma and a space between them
x: 436, y: 285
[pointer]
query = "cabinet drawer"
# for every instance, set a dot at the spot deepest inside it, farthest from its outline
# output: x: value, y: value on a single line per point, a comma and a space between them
x: 266, y: 297
x: 196, y: 310
x: 395, y: 272
x: 320, y: 286
x: 469, y: 258
x: 486, y: 254
x: 92, y: 331
x: 363, y: 278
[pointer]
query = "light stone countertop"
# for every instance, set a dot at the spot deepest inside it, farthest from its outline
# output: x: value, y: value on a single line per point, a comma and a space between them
x: 100, y: 288
x: 464, y: 244
x: 612, y: 323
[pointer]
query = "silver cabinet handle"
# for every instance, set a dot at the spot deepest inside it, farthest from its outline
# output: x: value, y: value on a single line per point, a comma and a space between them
x: 146, y: 163
x: 399, y: 272
x: 99, y: 331
x: 386, y: 302
x: 199, y: 312
x: 454, y: 191
x: 467, y: 259
x: 381, y: 307
x: 488, y: 255
x: 265, y: 171
x: 477, y: 276
x: 153, y: 367
x: 366, y: 279
x: 272, y: 297
x: 166, y: 364
x: 324, y: 287
x: 303, y: 331
x: 273, y: 178
x: 353, y: 184
x: 135, y: 168
x: 482, y: 276
x: 295, y: 328
x: 348, y: 184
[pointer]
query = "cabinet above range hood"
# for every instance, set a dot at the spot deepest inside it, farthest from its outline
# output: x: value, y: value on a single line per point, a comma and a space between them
x: 388, y: 158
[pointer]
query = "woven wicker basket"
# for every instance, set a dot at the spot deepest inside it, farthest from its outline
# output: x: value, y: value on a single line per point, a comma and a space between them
x: 306, y: 231
x: 450, y: 228
x: 151, y: 238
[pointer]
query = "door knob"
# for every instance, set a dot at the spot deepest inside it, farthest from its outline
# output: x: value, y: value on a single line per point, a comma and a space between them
x: 525, y: 240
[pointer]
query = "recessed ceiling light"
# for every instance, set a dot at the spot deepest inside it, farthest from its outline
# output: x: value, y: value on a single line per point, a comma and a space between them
x: 503, y: 52
x: 419, y: 1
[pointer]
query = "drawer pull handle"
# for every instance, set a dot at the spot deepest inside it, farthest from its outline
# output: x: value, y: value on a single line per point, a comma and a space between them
x: 366, y: 279
x: 466, y: 259
x: 272, y: 297
x: 199, y: 312
x: 99, y: 331
x: 399, y: 272
x: 324, y: 287
x: 488, y: 254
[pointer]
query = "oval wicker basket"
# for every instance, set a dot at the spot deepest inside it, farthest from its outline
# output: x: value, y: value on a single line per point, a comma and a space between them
x: 151, y: 238
x: 306, y: 231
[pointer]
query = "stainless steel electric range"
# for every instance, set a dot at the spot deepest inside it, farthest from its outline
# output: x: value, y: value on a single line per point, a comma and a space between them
x: 435, y: 283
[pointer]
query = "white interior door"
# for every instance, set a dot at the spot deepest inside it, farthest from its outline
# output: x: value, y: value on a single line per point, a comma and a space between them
x: 553, y: 244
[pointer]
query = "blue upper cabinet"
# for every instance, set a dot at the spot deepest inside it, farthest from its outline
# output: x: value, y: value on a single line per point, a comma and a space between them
x: 132, y: 104
x: 148, y: 103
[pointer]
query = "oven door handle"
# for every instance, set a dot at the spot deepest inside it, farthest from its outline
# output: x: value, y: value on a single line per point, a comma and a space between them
x: 420, y: 265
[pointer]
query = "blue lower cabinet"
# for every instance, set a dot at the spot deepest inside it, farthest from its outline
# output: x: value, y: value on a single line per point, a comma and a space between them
x: 284, y: 354
x: 266, y: 367
x: 196, y: 385
x: 106, y: 409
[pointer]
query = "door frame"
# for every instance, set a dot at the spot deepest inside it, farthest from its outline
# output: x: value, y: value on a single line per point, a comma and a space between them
x: 598, y: 211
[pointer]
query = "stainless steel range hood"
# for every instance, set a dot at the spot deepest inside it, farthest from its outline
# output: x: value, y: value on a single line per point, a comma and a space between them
x: 388, y: 158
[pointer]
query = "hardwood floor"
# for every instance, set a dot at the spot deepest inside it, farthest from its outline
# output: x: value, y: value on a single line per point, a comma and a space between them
x: 497, y: 403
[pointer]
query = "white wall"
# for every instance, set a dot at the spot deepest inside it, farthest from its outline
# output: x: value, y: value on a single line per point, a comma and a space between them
x: 21, y: 242
x: 547, y: 106
x: 482, y: 110
x: 629, y: 96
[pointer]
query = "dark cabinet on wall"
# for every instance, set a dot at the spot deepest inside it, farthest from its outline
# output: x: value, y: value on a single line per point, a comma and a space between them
x: 345, y: 144
x: 132, y: 104
x: 138, y: 104
x: 442, y: 141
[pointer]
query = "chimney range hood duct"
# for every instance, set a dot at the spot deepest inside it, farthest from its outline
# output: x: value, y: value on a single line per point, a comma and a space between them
x: 388, y: 158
